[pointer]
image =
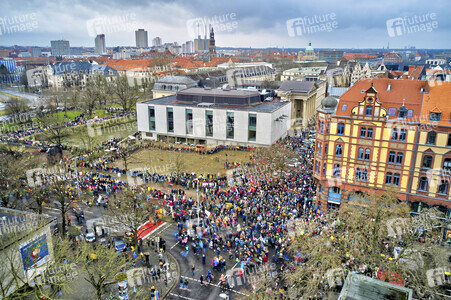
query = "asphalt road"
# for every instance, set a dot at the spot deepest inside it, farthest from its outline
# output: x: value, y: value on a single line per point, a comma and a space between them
x: 195, y: 291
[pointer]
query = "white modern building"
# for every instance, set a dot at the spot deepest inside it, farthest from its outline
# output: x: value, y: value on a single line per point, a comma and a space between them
x: 205, y: 116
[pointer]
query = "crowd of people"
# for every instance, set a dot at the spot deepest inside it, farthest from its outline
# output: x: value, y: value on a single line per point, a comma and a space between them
x: 248, y: 224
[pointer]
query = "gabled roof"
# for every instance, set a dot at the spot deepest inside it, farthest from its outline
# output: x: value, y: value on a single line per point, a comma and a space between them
x: 437, y: 100
x: 400, y: 92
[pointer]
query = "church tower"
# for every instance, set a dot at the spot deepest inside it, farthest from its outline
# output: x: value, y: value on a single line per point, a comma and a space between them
x: 211, y: 44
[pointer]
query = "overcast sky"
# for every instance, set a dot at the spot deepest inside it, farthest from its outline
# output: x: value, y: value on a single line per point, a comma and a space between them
x: 243, y: 23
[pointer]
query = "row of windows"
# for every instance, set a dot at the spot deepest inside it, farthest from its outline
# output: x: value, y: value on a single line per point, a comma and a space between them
x: 230, y: 123
x: 443, y: 187
x: 397, y: 134
x: 427, y: 163
x: 366, y: 132
x: 319, y: 148
x: 391, y: 178
x: 321, y: 127
x: 395, y: 157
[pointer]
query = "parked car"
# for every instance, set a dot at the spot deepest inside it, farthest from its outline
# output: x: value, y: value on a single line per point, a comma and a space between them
x: 105, y: 242
x: 90, y: 237
x: 119, y: 245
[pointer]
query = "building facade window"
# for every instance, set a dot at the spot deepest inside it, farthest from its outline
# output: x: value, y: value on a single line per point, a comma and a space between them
x: 362, y: 132
x: 435, y: 117
x: 443, y: 187
x: 427, y: 161
x: 423, y: 185
x: 447, y: 164
x: 402, y: 112
x: 396, y: 179
x: 391, y: 157
x: 358, y: 174
x: 252, y: 127
x: 170, y: 119
x: 336, y: 170
x: 209, y: 123
x: 230, y: 125
x: 394, y: 134
x: 403, y: 135
x: 344, y: 107
x: 151, y: 118
x: 361, y: 152
x: 364, y: 175
x: 388, y: 178
x: 338, y: 150
x: 369, y: 134
x: 431, y: 137
x: 369, y: 111
x: 189, y: 121
x: 449, y: 141
x: 399, y: 158
x: 367, y: 154
x: 340, y: 128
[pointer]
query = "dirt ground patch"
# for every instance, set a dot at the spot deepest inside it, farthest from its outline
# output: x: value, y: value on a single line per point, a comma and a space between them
x: 164, y: 162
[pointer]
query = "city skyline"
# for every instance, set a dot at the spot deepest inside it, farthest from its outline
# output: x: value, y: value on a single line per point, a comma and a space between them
x: 237, y: 25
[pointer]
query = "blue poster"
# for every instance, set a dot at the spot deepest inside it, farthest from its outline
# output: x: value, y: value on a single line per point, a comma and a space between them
x: 33, y: 254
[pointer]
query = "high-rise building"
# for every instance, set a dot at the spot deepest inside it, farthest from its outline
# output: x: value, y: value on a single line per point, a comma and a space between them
x: 35, y: 51
x: 188, y: 47
x: 141, y: 38
x: 60, y: 47
x: 330, y: 56
x: 100, y: 44
x: 156, y: 41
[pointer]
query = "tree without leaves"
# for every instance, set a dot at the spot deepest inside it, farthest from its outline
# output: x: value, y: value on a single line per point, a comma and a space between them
x: 179, y: 163
x: 57, y: 133
x: 12, y: 274
x: 360, y: 241
x: 100, y: 265
x: 15, y: 107
x: 12, y: 172
x: 63, y: 196
x: 132, y: 213
x: 95, y: 93
x: 128, y: 95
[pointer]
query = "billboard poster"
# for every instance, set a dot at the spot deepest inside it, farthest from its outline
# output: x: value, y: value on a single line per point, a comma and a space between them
x: 34, y: 253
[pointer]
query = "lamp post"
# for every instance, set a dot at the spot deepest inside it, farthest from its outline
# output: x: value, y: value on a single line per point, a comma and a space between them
x: 197, y: 191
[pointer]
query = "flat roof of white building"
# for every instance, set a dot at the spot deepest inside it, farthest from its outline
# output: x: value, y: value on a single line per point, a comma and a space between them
x: 266, y: 106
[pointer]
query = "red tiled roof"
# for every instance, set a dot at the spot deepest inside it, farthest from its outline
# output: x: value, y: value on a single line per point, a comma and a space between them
x: 437, y: 100
x: 401, y: 91
x: 126, y: 64
x: 354, y: 56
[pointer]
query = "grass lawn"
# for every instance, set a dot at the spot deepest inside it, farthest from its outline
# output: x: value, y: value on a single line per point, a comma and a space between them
x: 163, y: 162
x: 71, y: 115
x: 13, y: 96
x: 80, y: 135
